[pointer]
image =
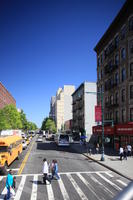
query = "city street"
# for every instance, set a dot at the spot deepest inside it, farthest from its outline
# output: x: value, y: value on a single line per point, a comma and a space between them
x: 80, y: 178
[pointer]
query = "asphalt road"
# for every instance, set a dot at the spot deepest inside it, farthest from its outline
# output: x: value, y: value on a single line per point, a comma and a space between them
x: 80, y: 178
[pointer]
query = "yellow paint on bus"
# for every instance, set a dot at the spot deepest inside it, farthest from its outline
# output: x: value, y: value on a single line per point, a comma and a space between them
x: 10, y: 148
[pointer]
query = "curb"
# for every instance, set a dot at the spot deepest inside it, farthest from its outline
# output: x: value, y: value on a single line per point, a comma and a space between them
x: 110, y: 168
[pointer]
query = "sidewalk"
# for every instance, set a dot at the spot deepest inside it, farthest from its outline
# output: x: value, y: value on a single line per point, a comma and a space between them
x: 112, y: 162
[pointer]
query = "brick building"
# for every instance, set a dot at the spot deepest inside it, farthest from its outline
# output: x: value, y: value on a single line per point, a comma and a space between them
x: 115, y: 76
x: 5, y: 97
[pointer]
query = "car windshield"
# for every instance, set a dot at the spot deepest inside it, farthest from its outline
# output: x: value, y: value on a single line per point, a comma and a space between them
x: 3, y: 149
x: 64, y: 137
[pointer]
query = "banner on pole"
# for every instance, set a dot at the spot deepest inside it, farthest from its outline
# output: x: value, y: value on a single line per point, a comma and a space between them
x: 98, y: 113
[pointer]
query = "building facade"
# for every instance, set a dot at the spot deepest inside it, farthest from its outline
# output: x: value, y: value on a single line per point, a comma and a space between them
x: 63, y: 106
x: 115, y: 73
x: 52, y: 108
x: 84, y: 101
x: 5, y: 97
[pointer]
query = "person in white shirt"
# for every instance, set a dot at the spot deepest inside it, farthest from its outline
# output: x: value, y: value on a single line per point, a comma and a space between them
x: 121, y: 152
x: 45, y: 172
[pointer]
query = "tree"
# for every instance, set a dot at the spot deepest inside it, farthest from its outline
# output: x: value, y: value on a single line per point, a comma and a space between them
x: 10, y: 118
x: 23, y: 120
x: 49, y: 125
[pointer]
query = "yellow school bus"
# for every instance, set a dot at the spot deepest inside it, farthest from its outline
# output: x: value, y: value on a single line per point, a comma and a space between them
x: 10, y: 149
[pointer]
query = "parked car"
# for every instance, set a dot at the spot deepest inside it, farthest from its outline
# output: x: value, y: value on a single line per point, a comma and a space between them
x: 39, y: 139
x: 24, y: 144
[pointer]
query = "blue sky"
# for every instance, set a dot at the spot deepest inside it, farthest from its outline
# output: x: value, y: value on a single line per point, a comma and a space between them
x: 45, y: 44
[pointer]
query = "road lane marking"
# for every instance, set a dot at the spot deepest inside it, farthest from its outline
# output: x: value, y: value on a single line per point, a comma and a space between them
x: 108, y: 181
x: 121, y: 182
x: 15, y: 169
x: 109, y: 174
x: 50, y: 192
x: 88, y: 185
x: 4, y: 192
x: 34, y: 188
x: 61, y: 173
x: 1, y: 177
x: 77, y: 188
x: 25, y: 160
x: 63, y: 190
x: 103, y: 186
x: 20, y: 188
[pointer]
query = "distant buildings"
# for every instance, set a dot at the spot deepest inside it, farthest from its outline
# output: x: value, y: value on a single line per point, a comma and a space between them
x: 5, y: 97
x: 84, y: 101
x: 61, y: 106
x: 115, y: 77
x: 52, y: 108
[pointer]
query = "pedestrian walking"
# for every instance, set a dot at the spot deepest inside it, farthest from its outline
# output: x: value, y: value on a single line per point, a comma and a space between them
x: 129, y: 149
x: 125, y: 153
x: 121, y: 152
x: 45, y: 172
x: 9, y: 186
x: 56, y: 170
x: 53, y: 168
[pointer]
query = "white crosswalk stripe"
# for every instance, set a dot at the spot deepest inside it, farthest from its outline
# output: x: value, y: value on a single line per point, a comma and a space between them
x: 50, y: 192
x: 77, y: 188
x: 34, y: 188
x: 20, y: 188
x: 80, y: 181
x: 108, y: 181
x: 63, y: 190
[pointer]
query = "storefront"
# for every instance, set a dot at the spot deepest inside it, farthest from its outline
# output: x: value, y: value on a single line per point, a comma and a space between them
x: 108, y: 135
x: 119, y: 135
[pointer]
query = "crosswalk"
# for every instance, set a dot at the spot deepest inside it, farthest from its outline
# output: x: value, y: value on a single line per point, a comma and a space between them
x: 99, y: 185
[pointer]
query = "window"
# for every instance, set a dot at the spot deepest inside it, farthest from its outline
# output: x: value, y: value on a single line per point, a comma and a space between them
x: 123, y: 115
x: 111, y: 115
x: 116, y: 41
x: 123, y: 53
x: 123, y: 32
x: 131, y: 114
x: 123, y: 74
x: 131, y: 91
x: 116, y: 59
x: 116, y: 116
x: 116, y: 97
x: 131, y: 69
x: 131, y: 46
x: 116, y: 79
x: 98, y: 62
x: 131, y: 24
x: 105, y: 53
x: 123, y: 95
x: 111, y: 99
x: 101, y: 58
x: 101, y: 74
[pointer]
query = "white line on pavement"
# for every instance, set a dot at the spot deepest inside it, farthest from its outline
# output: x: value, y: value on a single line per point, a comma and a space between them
x: 34, y: 188
x: 50, y: 192
x: 88, y: 185
x: 20, y: 188
x: 63, y: 190
x: 109, y: 174
x: 121, y: 182
x: 77, y: 188
x: 3, y: 194
x: 108, y: 181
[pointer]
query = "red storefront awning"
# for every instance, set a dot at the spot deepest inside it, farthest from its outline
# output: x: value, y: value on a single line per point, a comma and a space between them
x: 124, y: 129
x: 108, y: 130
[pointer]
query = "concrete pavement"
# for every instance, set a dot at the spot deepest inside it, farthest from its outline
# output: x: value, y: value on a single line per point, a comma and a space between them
x: 112, y: 161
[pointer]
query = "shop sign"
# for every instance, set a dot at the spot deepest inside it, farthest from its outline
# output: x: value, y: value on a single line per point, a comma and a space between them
x: 98, y: 114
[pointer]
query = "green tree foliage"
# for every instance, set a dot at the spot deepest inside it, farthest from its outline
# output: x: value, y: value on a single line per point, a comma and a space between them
x: 10, y: 118
x: 49, y: 125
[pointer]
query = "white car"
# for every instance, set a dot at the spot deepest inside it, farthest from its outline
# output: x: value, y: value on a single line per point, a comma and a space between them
x: 24, y: 144
x: 39, y: 139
